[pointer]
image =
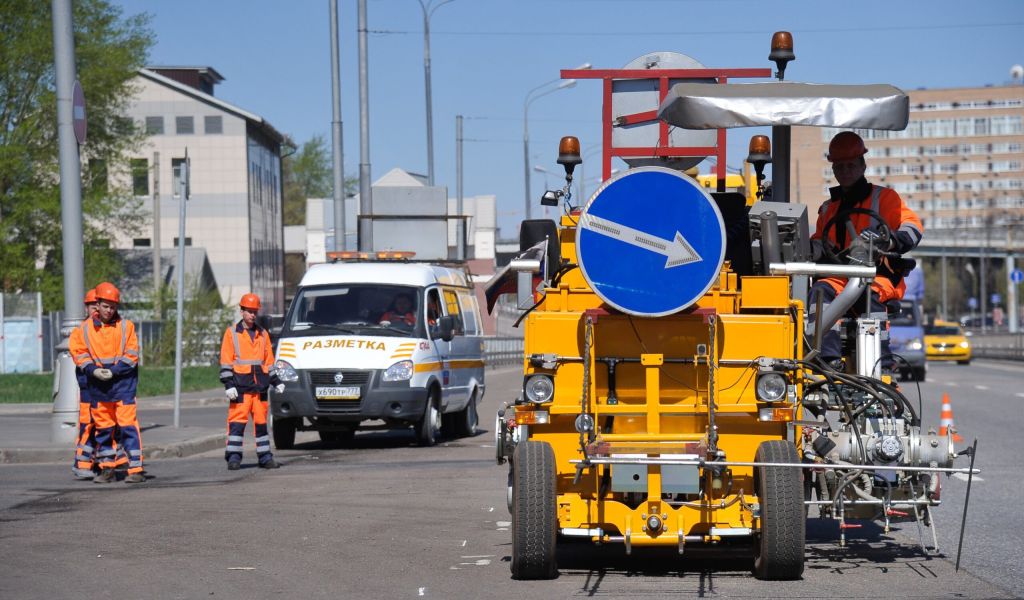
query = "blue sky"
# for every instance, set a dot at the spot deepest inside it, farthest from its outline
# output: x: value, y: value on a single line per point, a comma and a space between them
x: 487, y: 54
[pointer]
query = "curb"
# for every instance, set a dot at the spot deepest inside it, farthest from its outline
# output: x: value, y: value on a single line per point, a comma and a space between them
x: 172, y: 450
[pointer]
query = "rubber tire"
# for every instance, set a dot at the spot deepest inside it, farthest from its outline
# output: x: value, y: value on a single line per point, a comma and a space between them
x: 779, y: 549
x: 919, y: 374
x: 534, y: 517
x: 964, y: 362
x: 467, y: 422
x: 428, y: 429
x: 284, y: 433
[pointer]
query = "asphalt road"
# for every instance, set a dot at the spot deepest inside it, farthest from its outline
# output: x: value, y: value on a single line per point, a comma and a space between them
x: 386, y: 519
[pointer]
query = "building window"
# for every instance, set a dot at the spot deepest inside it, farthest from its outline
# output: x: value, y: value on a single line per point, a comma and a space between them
x: 140, y: 176
x: 176, y: 176
x: 188, y: 242
x: 213, y: 124
x: 141, y: 243
x: 184, y: 125
x: 154, y: 125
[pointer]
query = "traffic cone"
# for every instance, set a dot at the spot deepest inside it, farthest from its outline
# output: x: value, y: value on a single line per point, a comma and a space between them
x: 946, y: 420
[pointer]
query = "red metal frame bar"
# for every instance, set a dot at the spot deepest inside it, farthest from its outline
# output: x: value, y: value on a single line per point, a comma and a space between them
x: 663, y: 149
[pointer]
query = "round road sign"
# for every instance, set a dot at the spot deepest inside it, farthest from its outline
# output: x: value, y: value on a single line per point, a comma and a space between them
x: 1016, y: 275
x: 650, y: 242
x: 78, y: 112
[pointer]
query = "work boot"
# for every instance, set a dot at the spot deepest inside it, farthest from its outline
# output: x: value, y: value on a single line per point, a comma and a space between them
x: 234, y: 465
x: 270, y: 464
x: 105, y: 476
x: 80, y: 473
x: 135, y: 478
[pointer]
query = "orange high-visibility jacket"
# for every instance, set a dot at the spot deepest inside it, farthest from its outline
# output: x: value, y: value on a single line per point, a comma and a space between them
x: 113, y: 346
x: 896, y: 214
x: 247, y: 360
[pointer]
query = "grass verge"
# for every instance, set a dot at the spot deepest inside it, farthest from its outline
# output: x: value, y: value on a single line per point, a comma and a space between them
x: 38, y: 387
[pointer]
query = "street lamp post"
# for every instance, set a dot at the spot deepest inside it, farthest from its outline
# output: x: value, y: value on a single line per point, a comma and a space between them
x: 530, y: 97
x: 428, y: 11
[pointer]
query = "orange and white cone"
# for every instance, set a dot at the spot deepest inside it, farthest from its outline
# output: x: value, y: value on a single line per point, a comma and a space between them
x: 946, y: 423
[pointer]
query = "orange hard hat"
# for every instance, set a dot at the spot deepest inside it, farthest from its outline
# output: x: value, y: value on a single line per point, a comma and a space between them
x: 250, y: 301
x: 845, y: 146
x: 90, y: 296
x: 109, y: 292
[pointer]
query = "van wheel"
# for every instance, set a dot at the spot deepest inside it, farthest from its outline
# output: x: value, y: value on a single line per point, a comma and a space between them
x: 284, y: 433
x: 534, y: 517
x: 468, y: 419
x: 779, y: 550
x: 428, y: 429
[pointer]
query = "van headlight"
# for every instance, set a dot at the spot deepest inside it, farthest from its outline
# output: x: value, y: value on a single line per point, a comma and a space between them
x: 771, y: 387
x: 400, y: 371
x: 538, y: 389
x: 914, y: 344
x: 285, y: 372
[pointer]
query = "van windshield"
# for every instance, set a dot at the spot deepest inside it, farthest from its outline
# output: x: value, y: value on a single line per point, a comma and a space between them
x: 358, y: 309
x: 907, y: 316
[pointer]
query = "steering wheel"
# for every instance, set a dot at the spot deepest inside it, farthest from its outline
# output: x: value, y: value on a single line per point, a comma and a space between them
x: 841, y: 255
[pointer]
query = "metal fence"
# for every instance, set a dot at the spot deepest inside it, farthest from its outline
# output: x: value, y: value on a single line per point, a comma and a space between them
x: 21, y: 333
x: 502, y: 351
x: 1006, y: 346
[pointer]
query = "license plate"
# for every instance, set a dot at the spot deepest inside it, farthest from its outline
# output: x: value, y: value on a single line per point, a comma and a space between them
x: 338, y: 393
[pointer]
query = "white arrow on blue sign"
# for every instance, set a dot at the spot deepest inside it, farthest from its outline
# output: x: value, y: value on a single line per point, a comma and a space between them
x: 1016, y: 275
x: 650, y: 242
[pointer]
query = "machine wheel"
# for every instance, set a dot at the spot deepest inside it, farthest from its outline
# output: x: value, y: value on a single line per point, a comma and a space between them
x: 534, y: 520
x: 468, y: 419
x: 918, y: 374
x: 428, y: 429
x: 284, y: 433
x: 779, y: 553
x: 509, y: 491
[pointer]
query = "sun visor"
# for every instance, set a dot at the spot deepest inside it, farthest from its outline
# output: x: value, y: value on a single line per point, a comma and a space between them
x: 714, y: 106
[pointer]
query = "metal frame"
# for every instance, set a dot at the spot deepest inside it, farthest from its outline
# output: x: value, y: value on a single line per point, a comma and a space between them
x: 663, y: 149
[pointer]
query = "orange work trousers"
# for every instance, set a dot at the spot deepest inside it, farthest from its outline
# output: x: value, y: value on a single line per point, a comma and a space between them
x: 239, y: 410
x: 117, y: 424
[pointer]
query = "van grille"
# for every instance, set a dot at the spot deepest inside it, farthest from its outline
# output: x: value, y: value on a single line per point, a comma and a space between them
x: 349, y: 377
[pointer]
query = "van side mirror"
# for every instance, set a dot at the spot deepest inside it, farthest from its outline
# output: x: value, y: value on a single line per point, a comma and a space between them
x: 446, y: 328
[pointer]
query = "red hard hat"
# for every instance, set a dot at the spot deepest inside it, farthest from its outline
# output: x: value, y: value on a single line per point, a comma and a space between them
x: 250, y: 301
x: 845, y: 146
x: 90, y: 296
x: 107, y: 291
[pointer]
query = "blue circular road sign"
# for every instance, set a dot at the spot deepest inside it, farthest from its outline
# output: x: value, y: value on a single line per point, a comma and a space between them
x: 651, y: 241
x: 1016, y: 275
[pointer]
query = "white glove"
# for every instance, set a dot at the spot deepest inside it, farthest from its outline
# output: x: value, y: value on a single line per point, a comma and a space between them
x: 231, y: 393
x: 279, y: 388
x: 103, y: 374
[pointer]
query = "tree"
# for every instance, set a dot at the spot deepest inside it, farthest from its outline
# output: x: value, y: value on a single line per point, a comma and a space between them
x: 109, y: 49
x: 309, y: 173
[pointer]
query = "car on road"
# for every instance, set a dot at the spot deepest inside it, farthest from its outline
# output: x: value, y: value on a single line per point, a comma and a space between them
x: 944, y: 340
x: 906, y: 340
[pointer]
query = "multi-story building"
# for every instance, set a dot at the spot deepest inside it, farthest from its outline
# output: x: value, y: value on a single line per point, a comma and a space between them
x: 960, y: 165
x: 234, y: 211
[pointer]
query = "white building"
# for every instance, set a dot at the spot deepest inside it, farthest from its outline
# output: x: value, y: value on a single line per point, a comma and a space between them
x: 481, y: 222
x: 234, y: 210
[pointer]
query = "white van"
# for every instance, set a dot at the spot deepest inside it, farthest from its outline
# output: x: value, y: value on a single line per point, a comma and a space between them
x: 379, y: 340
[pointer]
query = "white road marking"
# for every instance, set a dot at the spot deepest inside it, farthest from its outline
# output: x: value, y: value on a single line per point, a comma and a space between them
x: 504, y: 523
x: 963, y: 477
x: 981, y: 387
x: 422, y: 590
x: 241, y: 568
x: 463, y: 543
x: 491, y: 509
x: 482, y: 562
x: 952, y: 384
x: 478, y: 556
x: 1019, y: 394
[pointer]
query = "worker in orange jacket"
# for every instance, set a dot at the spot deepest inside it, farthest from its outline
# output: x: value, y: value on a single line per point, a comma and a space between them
x: 83, y: 464
x: 106, y: 349
x: 247, y: 372
x: 853, y: 194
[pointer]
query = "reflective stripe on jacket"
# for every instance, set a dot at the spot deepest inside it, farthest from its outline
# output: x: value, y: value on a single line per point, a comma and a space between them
x: 247, y: 360
x: 896, y: 214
